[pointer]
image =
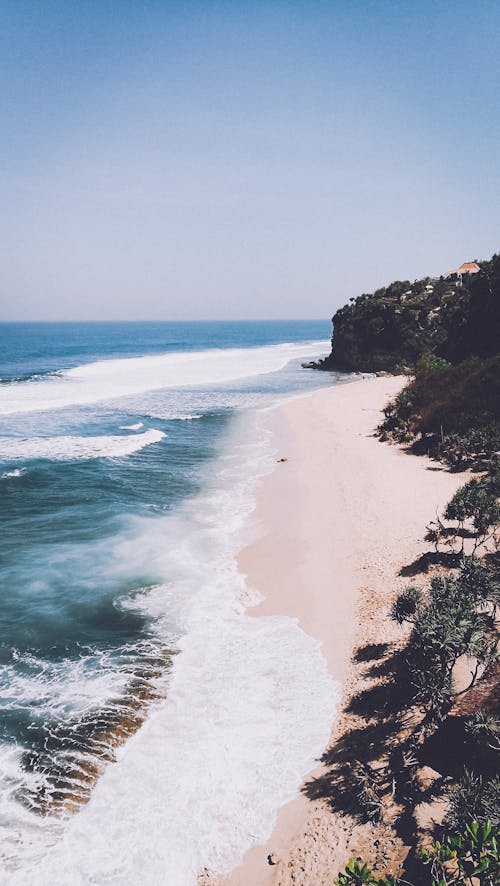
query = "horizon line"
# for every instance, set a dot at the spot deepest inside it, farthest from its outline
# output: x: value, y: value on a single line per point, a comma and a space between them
x: 218, y: 320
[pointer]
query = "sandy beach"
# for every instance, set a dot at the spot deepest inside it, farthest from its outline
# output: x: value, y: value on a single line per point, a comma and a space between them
x: 339, y: 518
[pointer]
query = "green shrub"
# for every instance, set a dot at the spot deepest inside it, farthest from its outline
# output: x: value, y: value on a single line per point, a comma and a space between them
x: 466, y: 858
x: 456, y: 409
x: 474, y: 504
x: 480, y: 582
x: 447, y: 623
x: 484, y: 727
x: 474, y: 798
x: 458, y: 449
x: 406, y: 605
x: 357, y: 873
x: 429, y: 363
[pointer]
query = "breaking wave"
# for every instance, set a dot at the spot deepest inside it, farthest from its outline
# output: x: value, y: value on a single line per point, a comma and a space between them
x: 107, y: 380
x: 17, y: 472
x: 75, y: 448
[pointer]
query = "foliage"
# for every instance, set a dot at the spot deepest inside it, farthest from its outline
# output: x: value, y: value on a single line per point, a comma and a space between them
x: 476, y: 511
x: 368, y: 791
x: 474, y: 798
x: 484, y: 727
x: 474, y: 503
x: 406, y: 605
x: 430, y: 363
x: 455, y: 410
x: 465, y: 858
x: 480, y: 582
x: 357, y: 873
x: 448, y: 622
x: 492, y: 478
x: 473, y: 445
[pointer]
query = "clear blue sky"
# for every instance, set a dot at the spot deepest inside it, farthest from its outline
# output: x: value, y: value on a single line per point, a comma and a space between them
x: 241, y: 159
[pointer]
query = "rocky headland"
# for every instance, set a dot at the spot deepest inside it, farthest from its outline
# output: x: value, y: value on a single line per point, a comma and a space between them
x: 454, y: 317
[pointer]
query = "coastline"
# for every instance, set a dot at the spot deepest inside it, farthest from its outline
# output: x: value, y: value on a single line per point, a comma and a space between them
x: 338, y: 519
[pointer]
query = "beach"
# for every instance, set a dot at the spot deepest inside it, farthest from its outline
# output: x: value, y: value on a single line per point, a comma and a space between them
x: 337, y: 520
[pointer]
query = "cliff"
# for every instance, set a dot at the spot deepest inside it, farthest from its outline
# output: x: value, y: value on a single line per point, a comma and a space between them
x: 394, y: 326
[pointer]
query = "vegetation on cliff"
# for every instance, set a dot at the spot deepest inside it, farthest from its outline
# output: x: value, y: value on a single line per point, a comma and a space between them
x: 392, y: 328
x: 451, y: 412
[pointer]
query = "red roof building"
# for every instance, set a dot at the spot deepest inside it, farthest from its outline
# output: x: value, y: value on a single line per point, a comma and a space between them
x: 468, y: 267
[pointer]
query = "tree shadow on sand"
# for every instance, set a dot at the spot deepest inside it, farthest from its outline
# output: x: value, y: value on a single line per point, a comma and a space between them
x: 371, y: 652
x: 422, y: 565
x: 373, y: 766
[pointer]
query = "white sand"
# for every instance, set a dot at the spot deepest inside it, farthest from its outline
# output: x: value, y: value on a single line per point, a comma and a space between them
x: 340, y: 518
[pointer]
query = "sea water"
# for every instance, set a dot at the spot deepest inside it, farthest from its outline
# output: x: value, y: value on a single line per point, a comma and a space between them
x: 150, y: 727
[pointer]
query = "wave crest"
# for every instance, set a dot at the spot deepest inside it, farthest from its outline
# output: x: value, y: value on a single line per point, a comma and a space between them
x: 108, y: 380
x: 75, y: 448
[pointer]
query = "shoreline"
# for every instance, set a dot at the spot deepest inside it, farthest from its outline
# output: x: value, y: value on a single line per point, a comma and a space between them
x: 338, y: 519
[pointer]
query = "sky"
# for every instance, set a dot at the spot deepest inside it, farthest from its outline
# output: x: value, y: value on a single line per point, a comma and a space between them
x: 241, y: 160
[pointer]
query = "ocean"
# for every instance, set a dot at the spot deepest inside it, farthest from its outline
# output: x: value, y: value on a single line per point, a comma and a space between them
x: 144, y: 714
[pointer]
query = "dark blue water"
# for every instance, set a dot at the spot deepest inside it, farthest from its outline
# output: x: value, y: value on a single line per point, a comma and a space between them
x: 86, y: 480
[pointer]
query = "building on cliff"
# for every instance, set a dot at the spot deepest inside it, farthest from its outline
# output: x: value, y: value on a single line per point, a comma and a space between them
x: 468, y: 267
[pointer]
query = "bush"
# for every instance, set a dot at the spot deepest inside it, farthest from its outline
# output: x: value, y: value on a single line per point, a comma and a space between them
x: 476, y: 510
x: 429, y: 363
x: 357, y: 873
x: 476, y: 444
x: 476, y: 504
x: 474, y: 798
x: 406, y: 605
x: 447, y: 623
x: 481, y: 583
x: 456, y: 409
x: 484, y: 727
x: 466, y: 858
x: 469, y: 856
x: 459, y: 398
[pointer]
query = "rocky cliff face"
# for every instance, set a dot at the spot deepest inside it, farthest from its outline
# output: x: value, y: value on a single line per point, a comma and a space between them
x: 396, y: 325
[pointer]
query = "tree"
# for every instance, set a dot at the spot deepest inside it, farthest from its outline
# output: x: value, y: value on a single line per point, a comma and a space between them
x: 475, y: 504
x: 446, y: 624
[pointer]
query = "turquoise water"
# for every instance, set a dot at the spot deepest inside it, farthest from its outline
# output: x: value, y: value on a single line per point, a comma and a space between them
x: 109, y: 434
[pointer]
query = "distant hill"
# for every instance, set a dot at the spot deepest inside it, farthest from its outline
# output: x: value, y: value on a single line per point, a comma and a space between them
x: 395, y: 326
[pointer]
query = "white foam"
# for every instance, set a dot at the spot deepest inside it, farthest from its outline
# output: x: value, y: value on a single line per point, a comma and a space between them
x: 171, y: 415
x: 110, y: 379
x: 17, y: 472
x: 136, y: 427
x: 74, y: 448
x: 247, y: 712
x: 69, y: 687
x: 177, y: 416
